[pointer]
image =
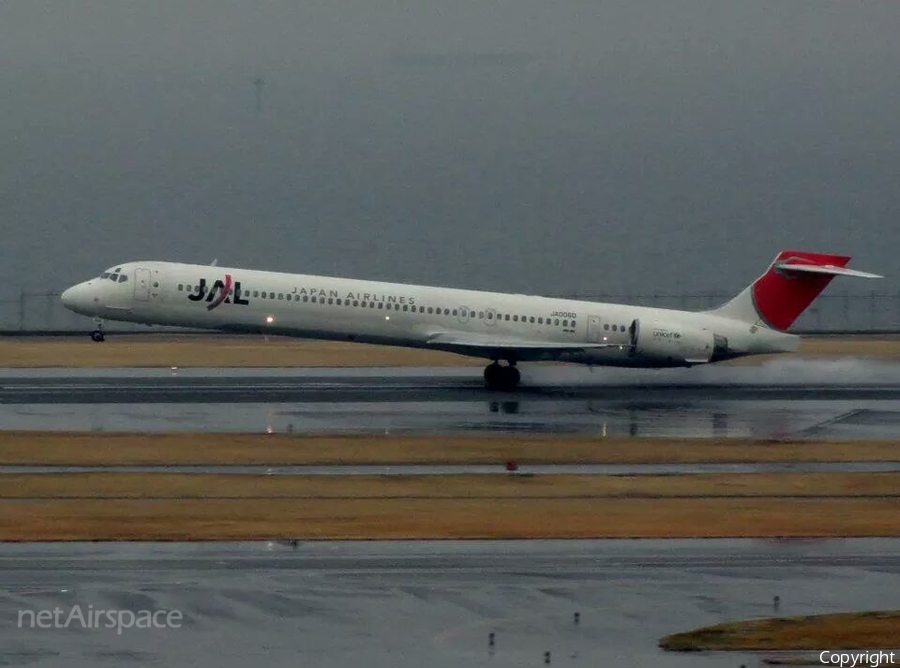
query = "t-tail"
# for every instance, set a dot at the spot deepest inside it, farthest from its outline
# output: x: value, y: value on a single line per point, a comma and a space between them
x: 793, y: 280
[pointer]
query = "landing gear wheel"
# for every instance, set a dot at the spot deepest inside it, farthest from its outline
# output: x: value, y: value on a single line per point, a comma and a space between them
x: 97, y: 335
x: 498, y: 377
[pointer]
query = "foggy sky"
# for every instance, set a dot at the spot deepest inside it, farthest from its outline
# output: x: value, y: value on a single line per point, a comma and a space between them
x: 585, y: 147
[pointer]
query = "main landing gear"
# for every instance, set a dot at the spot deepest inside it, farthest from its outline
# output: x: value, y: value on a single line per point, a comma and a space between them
x: 498, y: 377
x: 97, y: 335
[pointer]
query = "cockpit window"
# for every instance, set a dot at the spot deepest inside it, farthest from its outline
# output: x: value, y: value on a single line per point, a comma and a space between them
x: 114, y: 275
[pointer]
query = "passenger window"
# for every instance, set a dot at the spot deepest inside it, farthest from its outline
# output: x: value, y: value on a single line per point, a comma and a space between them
x: 180, y: 287
x: 271, y: 295
x: 565, y: 323
x: 263, y: 295
x: 256, y: 293
x: 405, y: 307
x: 446, y: 311
x: 306, y: 298
x: 490, y: 316
x: 281, y: 295
x: 455, y: 311
x: 606, y: 327
x: 371, y: 304
x: 330, y: 300
x: 621, y: 328
x: 556, y: 321
x: 531, y: 319
x: 506, y: 317
x: 481, y: 314
x: 516, y: 318
x: 380, y: 304
x: 430, y: 310
x: 573, y: 324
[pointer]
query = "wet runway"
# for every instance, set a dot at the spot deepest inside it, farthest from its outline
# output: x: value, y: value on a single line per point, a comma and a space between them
x: 399, y: 604
x: 848, y: 399
x: 341, y: 387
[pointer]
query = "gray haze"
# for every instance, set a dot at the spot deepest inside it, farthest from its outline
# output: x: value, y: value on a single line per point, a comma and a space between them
x: 614, y: 147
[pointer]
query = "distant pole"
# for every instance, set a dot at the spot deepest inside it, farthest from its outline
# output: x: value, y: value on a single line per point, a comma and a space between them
x: 258, y: 84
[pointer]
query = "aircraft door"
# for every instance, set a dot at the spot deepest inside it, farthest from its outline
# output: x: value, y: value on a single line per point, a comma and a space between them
x: 464, y: 314
x: 490, y: 316
x: 142, y: 284
x: 595, y: 329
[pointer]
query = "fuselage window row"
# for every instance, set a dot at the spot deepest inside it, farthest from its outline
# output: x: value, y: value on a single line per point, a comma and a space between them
x: 430, y: 310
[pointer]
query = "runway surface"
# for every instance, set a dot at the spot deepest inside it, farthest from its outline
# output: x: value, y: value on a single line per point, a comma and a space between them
x: 402, y: 604
x: 436, y: 386
x: 792, y: 398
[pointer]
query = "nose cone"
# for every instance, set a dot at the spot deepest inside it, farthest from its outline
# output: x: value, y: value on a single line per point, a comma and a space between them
x: 78, y: 298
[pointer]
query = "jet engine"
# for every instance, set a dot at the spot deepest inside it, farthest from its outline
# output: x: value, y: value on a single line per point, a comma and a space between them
x: 667, y: 344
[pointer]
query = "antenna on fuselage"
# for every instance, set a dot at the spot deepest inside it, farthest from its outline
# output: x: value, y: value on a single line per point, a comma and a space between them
x: 214, y: 263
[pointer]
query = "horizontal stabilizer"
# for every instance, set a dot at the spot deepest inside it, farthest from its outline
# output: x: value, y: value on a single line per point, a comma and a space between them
x: 829, y: 269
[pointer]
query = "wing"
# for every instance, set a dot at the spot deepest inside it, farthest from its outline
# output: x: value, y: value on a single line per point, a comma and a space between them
x: 504, y: 347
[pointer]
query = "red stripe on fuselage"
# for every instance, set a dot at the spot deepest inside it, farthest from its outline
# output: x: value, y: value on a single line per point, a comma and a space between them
x: 222, y: 295
x: 781, y: 296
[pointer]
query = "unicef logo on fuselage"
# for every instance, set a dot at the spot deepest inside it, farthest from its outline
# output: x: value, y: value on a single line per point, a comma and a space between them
x: 665, y: 334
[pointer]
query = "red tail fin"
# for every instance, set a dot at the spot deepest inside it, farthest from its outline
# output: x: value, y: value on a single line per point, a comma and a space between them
x: 789, y: 285
x: 782, y: 294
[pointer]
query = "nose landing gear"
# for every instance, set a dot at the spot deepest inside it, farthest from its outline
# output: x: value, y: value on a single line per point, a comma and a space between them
x: 498, y: 377
x: 97, y: 335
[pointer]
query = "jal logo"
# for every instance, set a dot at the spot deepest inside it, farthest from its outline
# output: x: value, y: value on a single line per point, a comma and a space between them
x: 219, y: 292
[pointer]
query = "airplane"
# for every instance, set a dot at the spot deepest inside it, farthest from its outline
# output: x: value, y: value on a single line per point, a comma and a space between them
x: 511, y: 328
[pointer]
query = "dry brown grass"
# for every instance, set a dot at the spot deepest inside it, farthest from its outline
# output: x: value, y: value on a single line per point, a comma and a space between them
x: 853, y: 630
x: 161, y: 485
x: 123, y: 449
x: 452, y: 518
x: 212, y: 351
x: 257, y: 351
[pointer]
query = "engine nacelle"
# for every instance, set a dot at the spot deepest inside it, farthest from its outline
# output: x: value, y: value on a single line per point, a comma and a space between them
x: 667, y: 344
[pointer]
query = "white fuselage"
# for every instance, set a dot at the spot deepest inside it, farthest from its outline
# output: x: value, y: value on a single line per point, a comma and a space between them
x: 188, y: 295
